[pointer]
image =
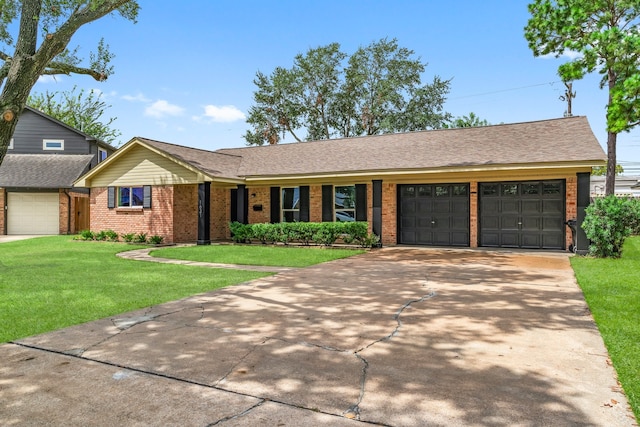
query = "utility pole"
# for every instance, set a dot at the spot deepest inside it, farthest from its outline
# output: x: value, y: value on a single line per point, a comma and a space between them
x: 568, y: 96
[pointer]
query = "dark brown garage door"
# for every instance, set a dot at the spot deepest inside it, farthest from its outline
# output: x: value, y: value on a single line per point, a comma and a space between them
x: 522, y: 214
x: 434, y: 214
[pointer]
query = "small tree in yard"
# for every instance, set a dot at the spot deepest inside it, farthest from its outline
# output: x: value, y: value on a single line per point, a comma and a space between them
x: 606, y: 36
x: 608, y: 222
x: 34, y: 35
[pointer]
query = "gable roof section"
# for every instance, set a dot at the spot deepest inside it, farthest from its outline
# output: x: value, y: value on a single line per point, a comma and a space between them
x: 202, y: 164
x: 42, y: 170
x: 72, y: 129
x: 560, y: 141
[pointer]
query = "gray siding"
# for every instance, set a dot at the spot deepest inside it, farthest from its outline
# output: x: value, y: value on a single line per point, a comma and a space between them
x: 32, y: 128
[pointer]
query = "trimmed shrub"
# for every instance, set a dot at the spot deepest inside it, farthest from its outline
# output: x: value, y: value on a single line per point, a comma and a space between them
x: 140, y: 238
x: 86, y: 235
x: 100, y: 235
x: 155, y: 239
x: 240, y: 233
x: 111, y: 235
x: 328, y: 233
x: 128, y: 237
x: 608, y: 222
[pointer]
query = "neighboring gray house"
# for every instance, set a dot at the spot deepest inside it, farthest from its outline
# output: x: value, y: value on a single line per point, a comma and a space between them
x: 44, y: 158
x: 626, y: 185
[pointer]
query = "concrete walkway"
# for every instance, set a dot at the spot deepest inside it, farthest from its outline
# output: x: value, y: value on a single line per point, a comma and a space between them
x: 143, y: 255
x: 398, y: 337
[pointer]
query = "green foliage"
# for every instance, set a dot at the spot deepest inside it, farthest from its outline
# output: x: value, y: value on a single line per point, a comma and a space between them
x: 608, y: 222
x: 155, y: 239
x: 86, y: 235
x: 100, y: 235
x: 240, y: 233
x: 606, y: 37
x: 610, y: 287
x: 322, y: 233
x: 466, y: 121
x: 45, y: 284
x: 111, y: 235
x: 140, y: 238
x: 328, y: 94
x: 602, y: 170
x: 82, y: 111
x: 128, y: 237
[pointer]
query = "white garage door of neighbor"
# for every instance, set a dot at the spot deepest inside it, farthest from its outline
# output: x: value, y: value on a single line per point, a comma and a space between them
x: 33, y: 213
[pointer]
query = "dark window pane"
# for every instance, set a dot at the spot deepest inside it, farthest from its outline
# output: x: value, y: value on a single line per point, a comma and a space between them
x: 531, y: 189
x: 552, y: 188
x: 345, y: 215
x: 137, y: 196
x: 424, y: 191
x: 408, y: 191
x: 124, y: 194
x: 509, y: 189
x: 345, y: 197
x: 490, y: 190
x: 441, y: 190
x: 459, y: 190
x: 291, y: 198
x: 291, y: 216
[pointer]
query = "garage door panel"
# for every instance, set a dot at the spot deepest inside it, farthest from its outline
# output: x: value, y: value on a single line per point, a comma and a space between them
x: 33, y: 213
x: 440, y: 210
x: 530, y: 215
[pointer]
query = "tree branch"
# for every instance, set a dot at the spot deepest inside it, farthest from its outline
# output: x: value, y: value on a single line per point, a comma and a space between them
x: 62, y: 68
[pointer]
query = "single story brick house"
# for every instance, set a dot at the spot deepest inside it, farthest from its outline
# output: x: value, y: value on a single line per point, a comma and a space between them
x: 509, y: 185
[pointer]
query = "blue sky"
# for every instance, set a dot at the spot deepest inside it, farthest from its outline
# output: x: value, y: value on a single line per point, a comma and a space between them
x: 184, y: 73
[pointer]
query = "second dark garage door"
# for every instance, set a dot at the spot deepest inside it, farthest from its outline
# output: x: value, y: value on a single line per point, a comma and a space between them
x: 434, y: 214
x: 522, y: 214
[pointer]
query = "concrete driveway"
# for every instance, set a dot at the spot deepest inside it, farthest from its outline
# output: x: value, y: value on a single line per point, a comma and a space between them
x: 398, y: 336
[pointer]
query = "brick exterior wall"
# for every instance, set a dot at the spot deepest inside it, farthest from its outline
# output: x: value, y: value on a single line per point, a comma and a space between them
x: 389, y: 214
x: 473, y: 214
x: 185, y: 213
x: 262, y: 197
x: 571, y: 206
x: 68, y: 209
x: 155, y: 221
x: 221, y: 213
x: 315, y: 203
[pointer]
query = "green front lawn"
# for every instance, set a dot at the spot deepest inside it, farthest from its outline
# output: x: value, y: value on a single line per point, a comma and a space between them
x: 52, y: 282
x: 284, y: 256
x: 612, y: 290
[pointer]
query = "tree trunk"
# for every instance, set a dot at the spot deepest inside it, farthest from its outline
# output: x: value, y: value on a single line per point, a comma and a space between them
x: 610, y: 183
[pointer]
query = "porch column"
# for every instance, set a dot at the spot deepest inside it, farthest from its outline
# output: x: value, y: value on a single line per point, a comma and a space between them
x: 241, y: 204
x: 584, y: 198
x: 376, y: 225
x: 204, y: 213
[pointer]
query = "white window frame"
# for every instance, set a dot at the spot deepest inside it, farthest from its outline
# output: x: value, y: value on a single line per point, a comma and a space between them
x: 100, y: 151
x: 336, y: 210
x: 282, y: 208
x: 11, y: 144
x: 55, y: 141
x: 129, y: 205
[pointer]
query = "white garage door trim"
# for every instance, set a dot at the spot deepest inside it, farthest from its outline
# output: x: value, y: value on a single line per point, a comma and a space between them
x: 33, y: 213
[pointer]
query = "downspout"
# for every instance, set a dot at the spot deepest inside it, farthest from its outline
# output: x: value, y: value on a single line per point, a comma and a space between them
x: 66, y: 191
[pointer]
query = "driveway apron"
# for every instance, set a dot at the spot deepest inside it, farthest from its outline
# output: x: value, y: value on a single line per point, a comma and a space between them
x: 398, y: 336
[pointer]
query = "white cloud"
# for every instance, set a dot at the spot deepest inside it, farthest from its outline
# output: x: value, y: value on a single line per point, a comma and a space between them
x: 162, y: 108
x: 49, y: 79
x: 223, y: 114
x: 139, y: 97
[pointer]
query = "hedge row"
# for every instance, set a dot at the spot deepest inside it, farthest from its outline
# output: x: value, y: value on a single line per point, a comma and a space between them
x: 608, y: 222
x: 321, y: 233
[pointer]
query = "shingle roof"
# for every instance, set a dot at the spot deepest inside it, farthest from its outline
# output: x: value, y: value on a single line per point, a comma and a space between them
x: 42, y: 170
x: 215, y: 164
x: 548, y: 141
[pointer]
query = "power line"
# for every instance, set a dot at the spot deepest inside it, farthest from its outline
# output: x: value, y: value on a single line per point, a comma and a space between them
x: 506, y: 90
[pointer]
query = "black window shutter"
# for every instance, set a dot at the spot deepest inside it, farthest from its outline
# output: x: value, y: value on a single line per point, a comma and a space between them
x: 234, y: 203
x: 327, y: 203
x: 304, y: 203
x: 361, y: 202
x: 275, y: 205
x: 146, y: 201
x: 111, y: 197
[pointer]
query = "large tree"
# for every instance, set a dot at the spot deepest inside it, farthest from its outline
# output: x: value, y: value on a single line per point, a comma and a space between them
x: 466, y: 121
x: 328, y: 94
x: 34, y: 35
x: 79, y: 109
x: 605, y: 35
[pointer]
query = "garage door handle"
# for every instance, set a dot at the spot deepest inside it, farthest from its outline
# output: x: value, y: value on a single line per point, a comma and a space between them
x: 433, y: 221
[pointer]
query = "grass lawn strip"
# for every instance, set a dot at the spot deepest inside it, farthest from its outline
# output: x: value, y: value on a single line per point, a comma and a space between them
x: 281, y: 256
x: 53, y: 282
x: 612, y: 290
